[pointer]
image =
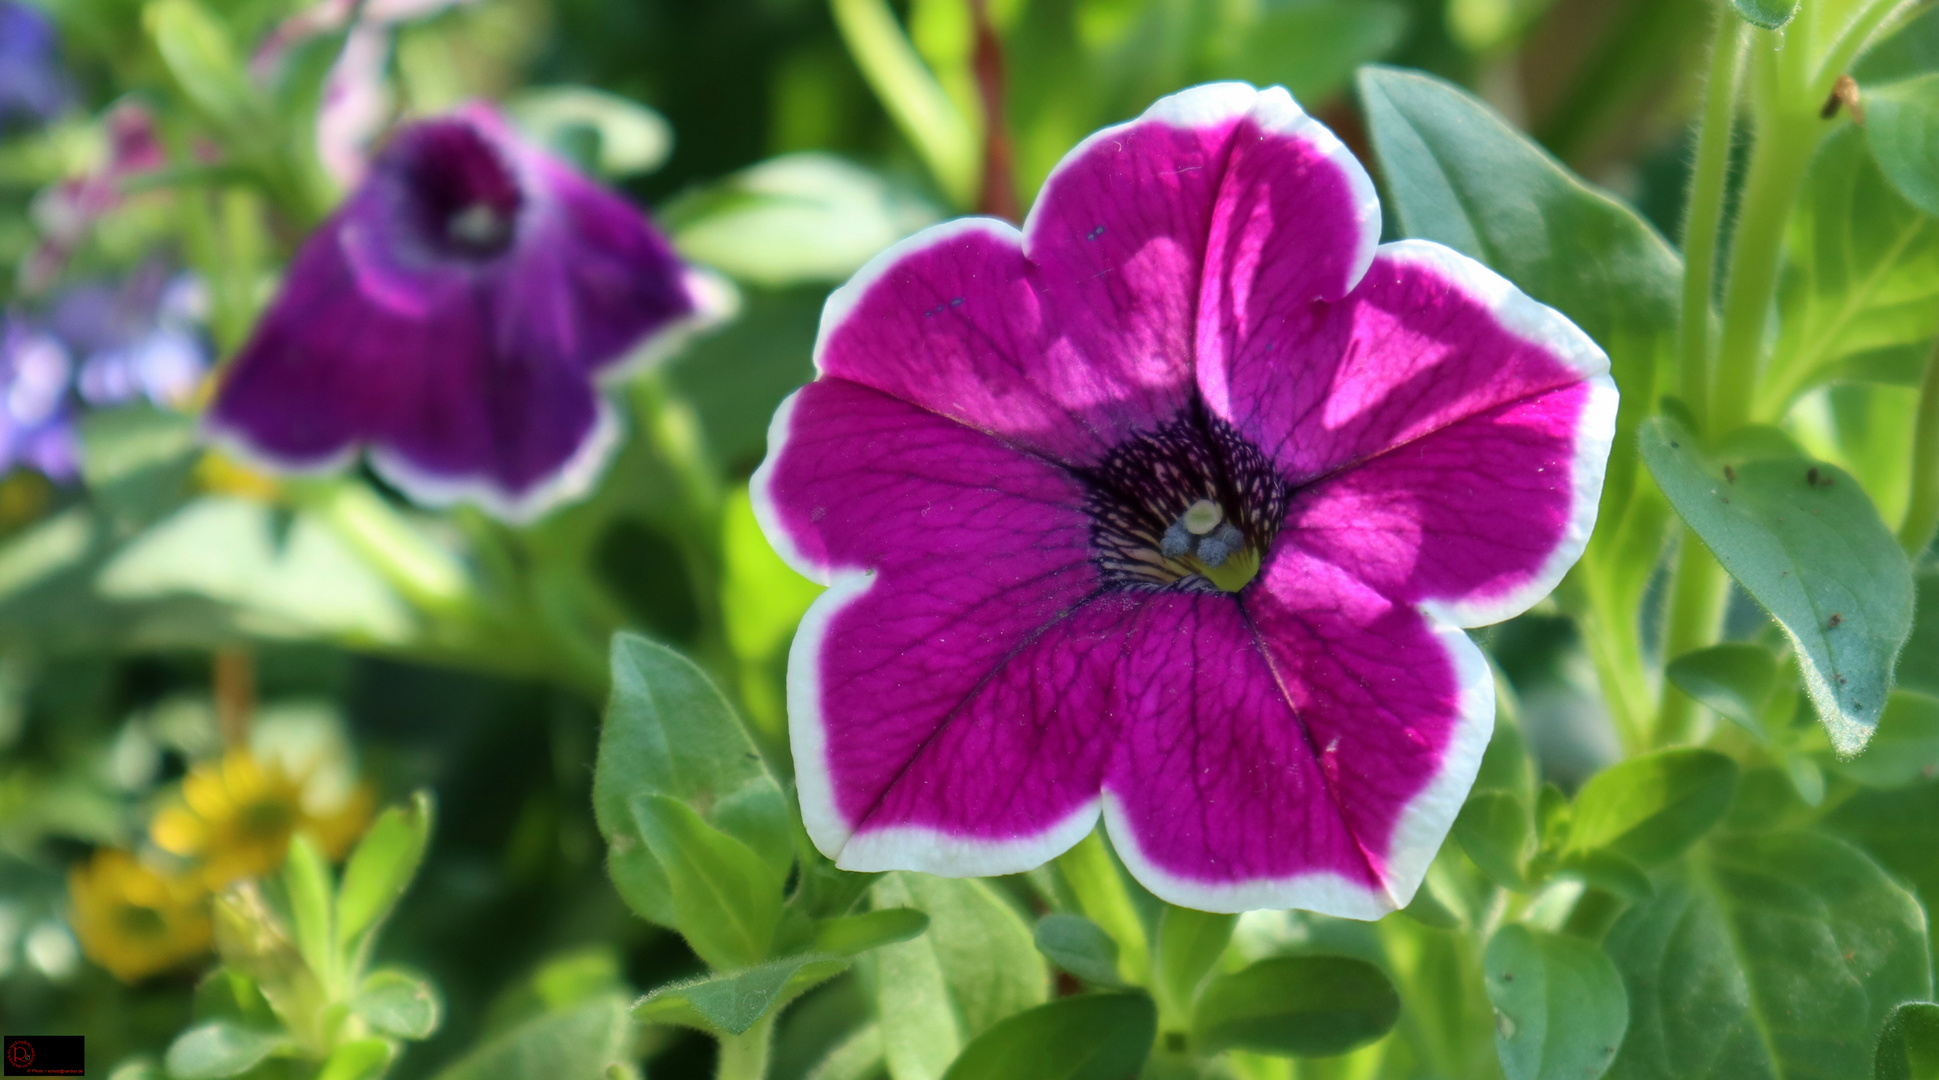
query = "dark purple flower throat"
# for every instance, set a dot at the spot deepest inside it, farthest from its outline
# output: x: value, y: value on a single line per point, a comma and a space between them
x: 456, y: 190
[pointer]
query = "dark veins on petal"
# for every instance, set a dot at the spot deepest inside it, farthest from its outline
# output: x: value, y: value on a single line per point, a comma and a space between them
x: 1189, y: 504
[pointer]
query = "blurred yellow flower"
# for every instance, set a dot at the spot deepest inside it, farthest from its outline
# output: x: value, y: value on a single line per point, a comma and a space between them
x: 134, y: 920
x: 236, y: 816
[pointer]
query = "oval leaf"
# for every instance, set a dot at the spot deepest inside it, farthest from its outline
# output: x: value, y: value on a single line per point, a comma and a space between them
x: 1090, y: 1037
x: 1560, y: 1006
x: 1495, y: 829
x: 1735, y: 678
x: 219, y: 1049
x: 1902, y: 124
x: 1768, y: 14
x: 1297, y: 1006
x: 400, y: 1004
x: 1906, y: 747
x: 726, y: 901
x: 1803, y: 539
x: 1649, y: 809
x: 1781, y: 956
x: 853, y: 934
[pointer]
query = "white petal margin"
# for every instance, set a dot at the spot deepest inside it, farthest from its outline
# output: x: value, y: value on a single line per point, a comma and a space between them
x: 1418, y: 833
x: 572, y: 482
x: 1276, y: 113
x: 900, y: 847
x: 1595, y: 429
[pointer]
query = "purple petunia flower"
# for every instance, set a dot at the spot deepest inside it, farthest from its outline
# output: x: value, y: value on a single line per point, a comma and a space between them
x: 140, y: 338
x: 452, y: 316
x: 36, y: 418
x: 1171, y: 507
x: 33, y: 84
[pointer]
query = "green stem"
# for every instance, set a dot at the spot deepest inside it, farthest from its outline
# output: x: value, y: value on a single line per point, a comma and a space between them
x: 1922, y: 510
x: 1785, y: 144
x: 745, y: 1056
x: 670, y: 426
x: 1700, y: 232
x: 1696, y: 613
x: 424, y: 573
x: 1101, y: 895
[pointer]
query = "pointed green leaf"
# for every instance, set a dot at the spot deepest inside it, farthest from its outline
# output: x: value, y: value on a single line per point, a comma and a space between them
x: 732, y: 1003
x: 307, y: 882
x: 381, y: 868
x: 851, y: 934
x: 1088, y: 1037
x: 201, y: 57
x: 1779, y: 955
x: 1906, y: 747
x: 726, y: 900
x: 1079, y: 946
x: 1908, y: 1048
x: 1496, y: 831
x: 1297, y: 1006
x: 1650, y: 808
x: 1803, y: 539
x: 358, y: 1059
x: 1560, y: 1006
x: 1902, y: 121
x: 668, y: 731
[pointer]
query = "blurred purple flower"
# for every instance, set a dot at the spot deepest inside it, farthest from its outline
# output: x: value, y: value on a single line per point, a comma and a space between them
x: 33, y: 84
x: 36, y: 418
x: 139, y: 339
x: 452, y: 317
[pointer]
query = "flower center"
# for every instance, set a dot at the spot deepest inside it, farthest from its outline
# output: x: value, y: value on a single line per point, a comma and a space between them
x: 1190, y: 504
x: 459, y: 192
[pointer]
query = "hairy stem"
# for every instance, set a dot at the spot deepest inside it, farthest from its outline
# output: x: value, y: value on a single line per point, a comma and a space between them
x: 745, y: 1056
x: 1922, y: 510
x: 1700, y: 230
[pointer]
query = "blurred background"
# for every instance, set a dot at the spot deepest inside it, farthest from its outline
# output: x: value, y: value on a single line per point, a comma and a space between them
x: 185, y: 642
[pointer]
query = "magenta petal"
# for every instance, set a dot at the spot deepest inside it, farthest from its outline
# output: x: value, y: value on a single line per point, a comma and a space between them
x: 1480, y: 518
x: 954, y: 562
x: 1428, y: 337
x: 1307, y: 751
x: 1080, y: 329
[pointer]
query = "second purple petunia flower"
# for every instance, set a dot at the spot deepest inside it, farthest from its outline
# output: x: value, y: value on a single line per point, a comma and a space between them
x: 1171, y: 508
x: 452, y: 317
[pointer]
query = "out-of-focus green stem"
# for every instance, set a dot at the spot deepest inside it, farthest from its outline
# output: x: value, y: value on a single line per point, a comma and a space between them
x: 1093, y: 878
x: 912, y: 96
x: 1785, y: 144
x: 1696, y: 613
x: 1922, y: 510
x: 670, y: 426
x: 1700, y: 232
x: 427, y: 575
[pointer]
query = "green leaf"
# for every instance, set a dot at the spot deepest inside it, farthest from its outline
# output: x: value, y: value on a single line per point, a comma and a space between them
x: 1859, y: 296
x: 399, y: 1003
x: 357, y: 1059
x: 626, y: 138
x: 1802, y: 539
x: 807, y: 217
x: 1606, y: 870
x: 732, y: 1003
x: 1495, y: 829
x: 200, y: 56
x: 1780, y: 955
x: 761, y: 597
x: 851, y: 934
x: 1560, y: 1006
x: 1297, y: 1006
x: 219, y: 1049
x: 1088, y: 1037
x: 1650, y: 808
x: 1919, y: 662
x: 380, y: 869
x: 1079, y: 946
x: 975, y: 966
x: 306, y: 880
x: 1454, y: 171
x: 1312, y: 48
x: 1768, y: 14
x: 138, y: 460
x: 1902, y: 123
x: 1735, y: 678
x: 575, y: 1045
x: 726, y: 900
x: 669, y: 732
x: 1906, y: 747
x: 1908, y: 1048
x: 1190, y: 943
